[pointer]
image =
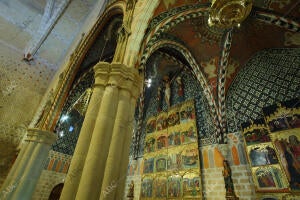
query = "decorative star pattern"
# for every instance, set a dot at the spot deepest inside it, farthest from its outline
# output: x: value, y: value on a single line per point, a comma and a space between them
x: 270, y: 76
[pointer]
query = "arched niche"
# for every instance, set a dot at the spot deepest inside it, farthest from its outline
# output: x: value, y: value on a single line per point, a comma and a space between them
x: 168, y: 61
x: 75, y: 104
x: 56, y: 192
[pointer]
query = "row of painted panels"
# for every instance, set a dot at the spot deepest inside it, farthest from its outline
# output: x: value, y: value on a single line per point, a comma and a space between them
x: 274, y: 159
x: 174, y: 136
x: 179, y: 114
x: 173, y: 187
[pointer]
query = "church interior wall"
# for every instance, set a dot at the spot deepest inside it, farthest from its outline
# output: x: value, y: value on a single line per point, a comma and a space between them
x: 55, y: 171
x: 211, y: 158
x: 22, y: 88
x: 23, y: 84
x: 270, y: 76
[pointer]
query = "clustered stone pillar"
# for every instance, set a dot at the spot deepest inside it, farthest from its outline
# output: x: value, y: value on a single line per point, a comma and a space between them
x: 121, y: 136
x: 74, y: 174
x: 107, y: 147
x: 24, y: 175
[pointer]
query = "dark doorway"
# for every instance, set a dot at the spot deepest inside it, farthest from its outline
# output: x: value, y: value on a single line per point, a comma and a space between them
x: 56, y: 192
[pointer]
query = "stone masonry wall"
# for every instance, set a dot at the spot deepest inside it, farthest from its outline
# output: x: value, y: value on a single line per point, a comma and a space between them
x: 212, y: 167
x: 47, y: 181
x: 56, y: 168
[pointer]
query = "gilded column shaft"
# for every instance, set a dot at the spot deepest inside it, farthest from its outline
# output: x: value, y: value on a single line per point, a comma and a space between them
x: 74, y: 174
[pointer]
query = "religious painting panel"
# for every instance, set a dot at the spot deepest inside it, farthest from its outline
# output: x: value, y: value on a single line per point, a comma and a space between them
x: 187, y: 112
x: 160, y: 187
x: 190, y: 157
x: 151, y: 125
x: 188, y: 133
x: 257, y: 136
x: 294, y: 121
x: 175, y: 159
x: 171, y: 153
x: 262, y: 154
x: 174, y: 136
x: 278, y: 124
x: 174, y: 187
x: 284, y: 115
x: 161, y: 141
x: 173, y: 117
x: 269, y: 178
x: 288, y: 147
x: 148, y: 165
x: 191, y: 186
x: 161, y: 122
x: 149, y: 144
x: 147, y: 185
x: 161, y: 163
x: 273, y: 149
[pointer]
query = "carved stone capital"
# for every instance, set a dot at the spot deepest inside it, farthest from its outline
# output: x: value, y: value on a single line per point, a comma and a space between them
x: 118, y: 75
x: 126, y: 78
x: 40, y: 136
x: 101, y: 70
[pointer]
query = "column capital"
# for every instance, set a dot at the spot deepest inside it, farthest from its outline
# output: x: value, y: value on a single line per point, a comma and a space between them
x: 118, y: 75
x: 101, y: 70
x: 126, y: 78
x: 40, y: 136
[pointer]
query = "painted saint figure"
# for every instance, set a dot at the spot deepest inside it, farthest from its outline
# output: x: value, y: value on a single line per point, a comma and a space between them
x: 228, y: 181
x: 289, y: 151
x: 167, y: 90
x: 131, y: 190
x: 180, y: 86
x: 158, y: 99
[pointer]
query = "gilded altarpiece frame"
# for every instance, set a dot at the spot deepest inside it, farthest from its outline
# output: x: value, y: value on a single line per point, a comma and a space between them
x: 272, y: 146
x: 171, y: 156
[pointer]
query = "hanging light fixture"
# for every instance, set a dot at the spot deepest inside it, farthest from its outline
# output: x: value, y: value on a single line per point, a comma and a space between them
x: 228, y: 13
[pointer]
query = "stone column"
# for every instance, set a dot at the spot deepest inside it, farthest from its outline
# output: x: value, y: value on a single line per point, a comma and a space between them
x: 74, y: 174
x: 125, y: 152
x: 18, y: 165
x: 109, y: 122
x: 92, y: 174
x: 27, y: 174
x: 121, y: 138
